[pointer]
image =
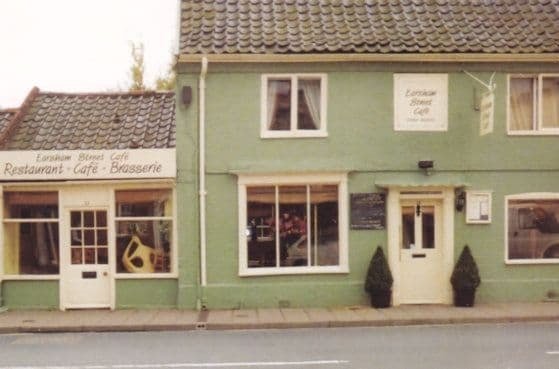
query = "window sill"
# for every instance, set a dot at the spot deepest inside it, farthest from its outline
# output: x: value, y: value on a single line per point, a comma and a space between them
x: 532, y: 262
x: 147, y: 276
x: 255, y: 272
x: 29, y: 277
x: 534, y: 133
x: 294, y: 134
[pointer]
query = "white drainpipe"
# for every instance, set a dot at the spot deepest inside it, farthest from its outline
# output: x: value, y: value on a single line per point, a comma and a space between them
x: 202, y: 169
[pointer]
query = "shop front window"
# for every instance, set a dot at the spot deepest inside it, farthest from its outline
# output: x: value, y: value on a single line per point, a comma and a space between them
x: 31, y: 238
x: 533, y: 229
x: 144, y: 231
x: 292, y: 227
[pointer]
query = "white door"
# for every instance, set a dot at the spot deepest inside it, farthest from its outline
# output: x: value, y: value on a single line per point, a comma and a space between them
x: 85, y: 278
x: 421, y: 252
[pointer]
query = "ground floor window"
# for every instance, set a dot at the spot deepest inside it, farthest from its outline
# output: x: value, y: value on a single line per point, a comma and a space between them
x: 533, y: 227
x: 31, y: 238
x: 291, y: 223
x: 144, y: 229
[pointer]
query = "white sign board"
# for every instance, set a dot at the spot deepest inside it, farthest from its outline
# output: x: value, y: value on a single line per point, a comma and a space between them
x: 420, y: 102
x: 486, y: 108
x: 87, y: 164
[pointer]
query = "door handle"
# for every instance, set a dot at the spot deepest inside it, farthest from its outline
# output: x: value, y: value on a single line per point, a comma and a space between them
x: 105, y: 274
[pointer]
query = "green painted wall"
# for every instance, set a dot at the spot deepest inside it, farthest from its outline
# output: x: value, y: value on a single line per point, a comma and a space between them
x: 361, y: 140
x: 30, y: 294
x: 146, y: 293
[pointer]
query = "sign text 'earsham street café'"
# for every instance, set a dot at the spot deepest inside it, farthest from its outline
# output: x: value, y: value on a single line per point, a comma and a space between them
x: 87, y: 164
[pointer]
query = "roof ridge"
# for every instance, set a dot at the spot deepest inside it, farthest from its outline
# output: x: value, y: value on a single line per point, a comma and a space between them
x: 108, y: 93
x: 20, y: 113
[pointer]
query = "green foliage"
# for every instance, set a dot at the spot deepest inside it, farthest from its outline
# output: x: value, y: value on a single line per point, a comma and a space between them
x: 137, y: 68
x: 169, y: 81
x: 379, y: 277
x: 465, y: 274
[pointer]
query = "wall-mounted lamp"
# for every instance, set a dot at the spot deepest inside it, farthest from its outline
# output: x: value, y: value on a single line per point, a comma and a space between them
x: 186, y: 95
x: 426, y: 165
x: 460, y: 200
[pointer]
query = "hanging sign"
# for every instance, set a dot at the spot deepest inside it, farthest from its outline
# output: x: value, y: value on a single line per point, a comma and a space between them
x: 87, y: 164
x: 420, y: 102
x: 486, y: 109
x: 368, y: 210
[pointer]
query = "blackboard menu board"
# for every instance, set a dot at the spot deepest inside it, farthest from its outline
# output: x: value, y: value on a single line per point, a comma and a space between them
x: 368, y: 210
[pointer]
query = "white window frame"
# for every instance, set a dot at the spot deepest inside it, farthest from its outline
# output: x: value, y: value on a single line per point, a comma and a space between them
x: 339, y: 179
x: 173, y: 273
x: 41, y: 277
x: 293, y: 132
x: 537, y: 123
x: 526, y: 196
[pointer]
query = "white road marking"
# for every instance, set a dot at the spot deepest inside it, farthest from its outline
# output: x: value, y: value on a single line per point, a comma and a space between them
x: 188, y: 365
x: 552, y: 352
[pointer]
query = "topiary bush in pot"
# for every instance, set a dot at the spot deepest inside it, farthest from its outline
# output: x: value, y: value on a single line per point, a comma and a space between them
x: 465, y: 279
x: 378, y: 282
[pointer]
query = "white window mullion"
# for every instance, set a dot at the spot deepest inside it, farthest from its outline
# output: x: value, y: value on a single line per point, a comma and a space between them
x: 277, y: 222
x: 308, y: 225
x: 294, y: 106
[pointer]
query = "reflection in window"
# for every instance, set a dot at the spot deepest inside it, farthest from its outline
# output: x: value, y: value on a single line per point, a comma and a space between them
x: 144, y: 228
x: 292, y: 226
x: 533, y: 229
x: 293, y: 103
x: 31, y: 238
x: 408, y: 227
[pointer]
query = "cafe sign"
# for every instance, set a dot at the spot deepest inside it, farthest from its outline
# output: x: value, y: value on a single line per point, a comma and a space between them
x: 87, y: 164
x: 420, y: 102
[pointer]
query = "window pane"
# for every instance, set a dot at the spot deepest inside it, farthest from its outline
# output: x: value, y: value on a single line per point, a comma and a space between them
x: 31, y: 248
x: 550, y: 92
x: 143, y: 246
x: 143, y: 203
x: 324, y: 228
x: 308, y: 114
x: 278, y: 116
x: 522, y: 109
x: 292, y: 225
x: 408, y: 227
x: 29, y: 205
x: 428, y: 226
x: 533, y: 230
x: 261, y: 226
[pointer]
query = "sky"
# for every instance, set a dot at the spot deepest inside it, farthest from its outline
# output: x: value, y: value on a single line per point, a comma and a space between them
x: 81, y: 45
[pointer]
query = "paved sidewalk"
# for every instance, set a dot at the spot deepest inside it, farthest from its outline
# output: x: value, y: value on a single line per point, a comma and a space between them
x: 142, y: 320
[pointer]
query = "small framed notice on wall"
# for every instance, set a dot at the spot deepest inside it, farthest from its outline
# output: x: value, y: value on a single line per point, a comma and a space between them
x: 478, y: 207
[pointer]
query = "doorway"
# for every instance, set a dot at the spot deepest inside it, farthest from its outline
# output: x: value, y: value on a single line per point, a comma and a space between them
x: 421, y: 244
x: 85, y: 247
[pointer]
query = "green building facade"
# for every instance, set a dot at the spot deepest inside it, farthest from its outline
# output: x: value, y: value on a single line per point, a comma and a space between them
x: 418, y: 146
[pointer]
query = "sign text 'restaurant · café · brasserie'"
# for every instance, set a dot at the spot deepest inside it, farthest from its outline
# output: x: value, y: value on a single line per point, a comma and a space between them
x: 87, y: 164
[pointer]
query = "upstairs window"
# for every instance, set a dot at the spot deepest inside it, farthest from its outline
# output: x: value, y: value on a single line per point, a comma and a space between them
x: 534, y: 104
x: 293, y: 105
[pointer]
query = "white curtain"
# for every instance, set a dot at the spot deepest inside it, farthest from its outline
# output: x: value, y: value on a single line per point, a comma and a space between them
x: 550, y: 92
x: 311, y: 90
x: 272, y: 102
x: 522, y: 104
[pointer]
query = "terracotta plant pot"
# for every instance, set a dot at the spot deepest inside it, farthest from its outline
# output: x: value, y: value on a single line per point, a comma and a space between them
x: 464, y: 297
x: 381, y: 299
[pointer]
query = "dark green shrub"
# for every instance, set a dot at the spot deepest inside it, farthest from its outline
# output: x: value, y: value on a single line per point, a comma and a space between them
x: 465, y: 274
x: 379, y: 277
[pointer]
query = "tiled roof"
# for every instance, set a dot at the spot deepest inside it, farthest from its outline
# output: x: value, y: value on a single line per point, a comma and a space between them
x: 6, y: 117
x: 369, y: 26
x: 70, y: 121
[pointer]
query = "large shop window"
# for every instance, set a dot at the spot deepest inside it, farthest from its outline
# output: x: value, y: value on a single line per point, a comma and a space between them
x: 144, y: 231
x: 293, y: 105
x: 31, y: 238
x: 292, y: 227
x: 533, y: 228
x: 534, y: 104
